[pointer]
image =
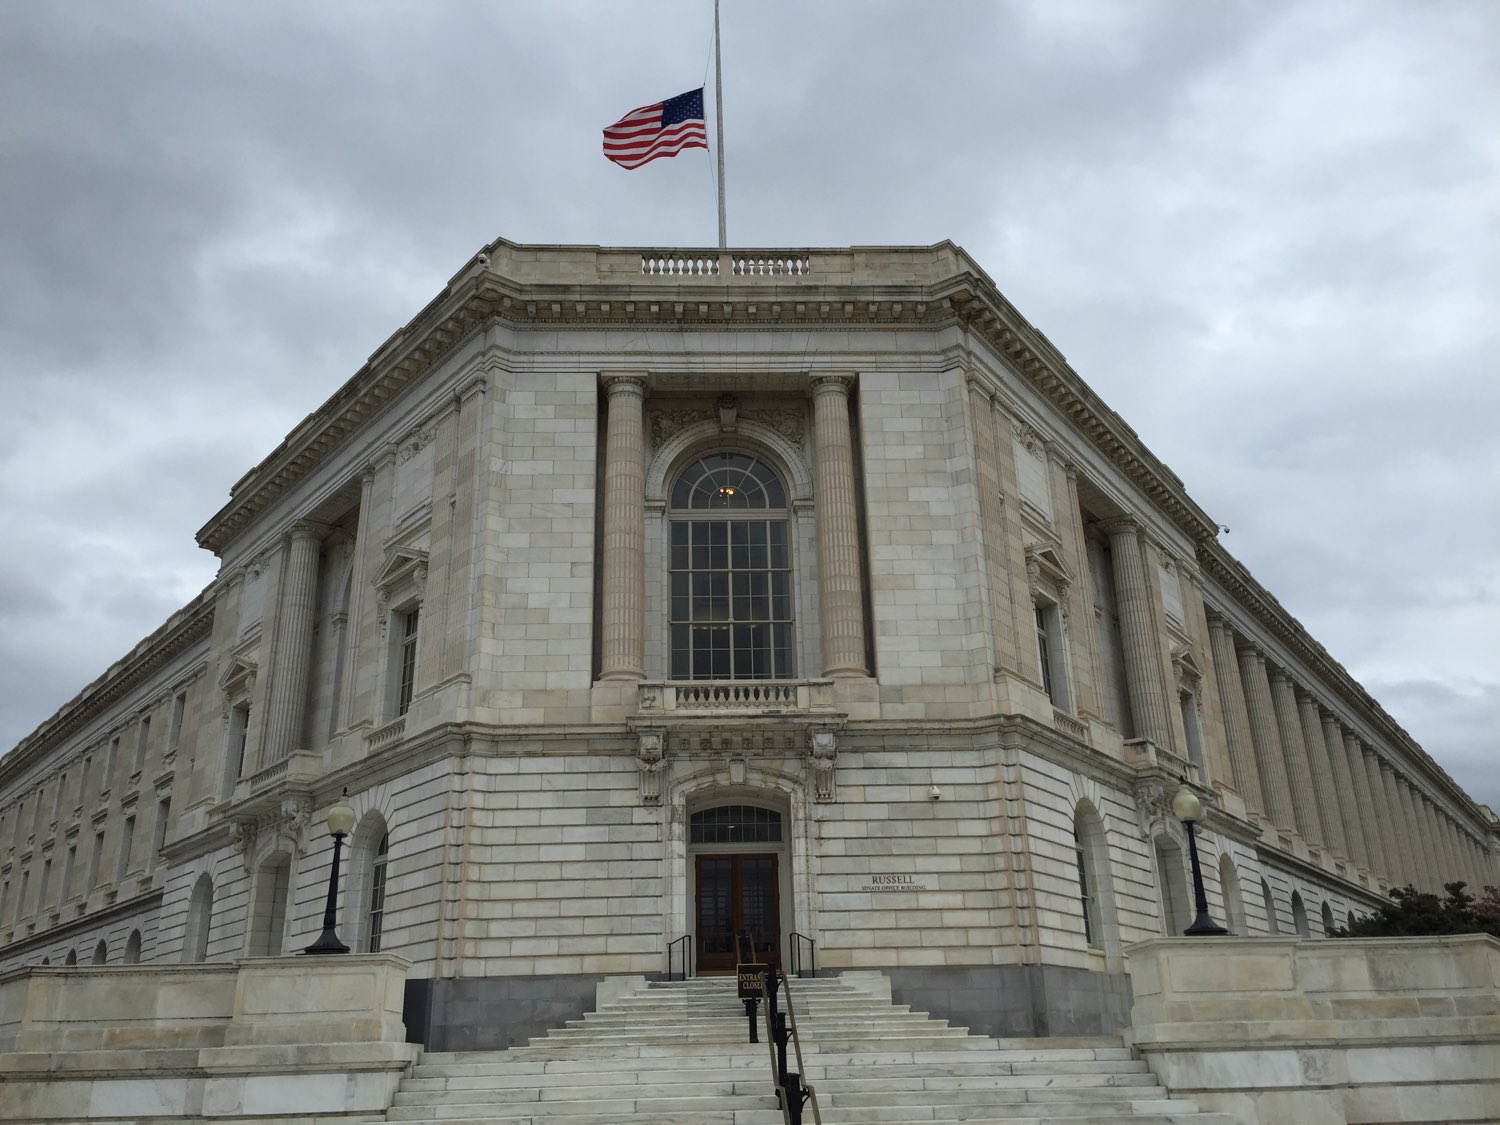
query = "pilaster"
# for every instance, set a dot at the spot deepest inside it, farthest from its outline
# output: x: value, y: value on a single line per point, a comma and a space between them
x: 841, y: 592
x: 622, y: 611
x: 1138, y: 633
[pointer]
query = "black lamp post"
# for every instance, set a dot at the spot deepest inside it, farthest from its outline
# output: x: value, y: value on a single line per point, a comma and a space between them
x: 340, y: 821
x: 1187, y: 808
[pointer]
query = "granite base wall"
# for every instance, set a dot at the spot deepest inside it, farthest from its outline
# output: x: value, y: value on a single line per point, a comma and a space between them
x: 1017, y: 1000
x: 492, y: 1013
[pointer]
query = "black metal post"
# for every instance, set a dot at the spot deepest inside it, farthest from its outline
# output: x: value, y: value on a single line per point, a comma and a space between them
x: 750, y: 1003
x: 1203, y: 925
x: 328, y: 941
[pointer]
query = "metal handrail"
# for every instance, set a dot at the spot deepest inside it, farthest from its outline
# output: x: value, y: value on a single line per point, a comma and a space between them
x: 687, y: 956
x: 796, y: 955
x: 792, y: 1093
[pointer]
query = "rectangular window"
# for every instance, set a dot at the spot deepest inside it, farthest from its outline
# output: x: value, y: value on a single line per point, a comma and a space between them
x: 407, y: 660
x: 179, y: 709
x: 377, y: 894
x: 21, y: 901
x: 4, y: 898
x: 84, y: 796
x: 65, y: 891
x: 127, y: 838
x: 142, y: 742
x: 1192, y: 730
x: 1044, y: 651
x: 111, y: 762
x: 730, y: 614
x: 163, y: 810
x: 95, y: 857
x: 41, y: 888
x: 239, y: 732
x: 59, y: 806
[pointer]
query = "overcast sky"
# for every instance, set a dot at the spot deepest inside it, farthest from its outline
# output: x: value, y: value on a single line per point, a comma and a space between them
x: 1266, y: 233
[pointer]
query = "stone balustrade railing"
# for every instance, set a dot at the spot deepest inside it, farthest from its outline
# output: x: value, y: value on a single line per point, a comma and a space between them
x: 735, y: 696
x: 1069, y: 725
x: 387, y: 735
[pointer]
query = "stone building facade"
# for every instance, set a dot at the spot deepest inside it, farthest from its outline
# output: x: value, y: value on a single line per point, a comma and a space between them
x: 636, y: 596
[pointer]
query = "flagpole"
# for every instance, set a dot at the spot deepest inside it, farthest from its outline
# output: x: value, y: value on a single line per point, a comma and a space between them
x: 719, y: 124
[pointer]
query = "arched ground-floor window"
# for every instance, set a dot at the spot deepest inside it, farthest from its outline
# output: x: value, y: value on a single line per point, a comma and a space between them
x: 268, y: 906
x: 1175, y: 913
x: 1272, y: 926
x: 199, y: 915
x: 1299, y: 915
x: 133, y: 948
x: 1091, y: 849
x: 101, y: 954
x: 1234, y: 900
x: 1328, y: 922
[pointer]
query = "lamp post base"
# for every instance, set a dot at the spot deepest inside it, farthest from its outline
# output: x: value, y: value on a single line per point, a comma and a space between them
x: 328, y: 942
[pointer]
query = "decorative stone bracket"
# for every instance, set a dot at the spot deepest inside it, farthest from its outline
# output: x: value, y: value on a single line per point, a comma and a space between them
x: 650, y: 760
x: 823, y: 746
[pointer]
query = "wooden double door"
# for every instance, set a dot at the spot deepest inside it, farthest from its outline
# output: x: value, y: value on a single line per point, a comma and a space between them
x: 737, y: 907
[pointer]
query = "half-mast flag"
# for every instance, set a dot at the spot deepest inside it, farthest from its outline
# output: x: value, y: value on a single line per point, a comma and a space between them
x: 663, y: 129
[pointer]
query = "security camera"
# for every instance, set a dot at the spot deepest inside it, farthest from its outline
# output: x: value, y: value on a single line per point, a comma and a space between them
x: 483, y: 259
x: 935, y: 793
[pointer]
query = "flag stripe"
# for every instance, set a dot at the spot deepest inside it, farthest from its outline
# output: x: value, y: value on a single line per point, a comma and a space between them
x: 662, y: 129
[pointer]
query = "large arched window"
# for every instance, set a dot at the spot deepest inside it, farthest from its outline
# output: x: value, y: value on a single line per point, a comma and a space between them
x: 730, y: 570
x: 369, y: 854
x: 133, y: 948
x: 1327, y: 919
x: 268, y: 905
x: 1092, y: 853
x: 1234, y: 900
x: 199, y: 915
x: 1176, y: 915
x: 1299, y: 915
x: 1272, y: 926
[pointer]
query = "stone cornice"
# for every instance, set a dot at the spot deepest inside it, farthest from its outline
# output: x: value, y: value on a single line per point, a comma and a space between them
x: 85, y: 924
x: 189, y: 625
x: 1263, y: 607
x: 592, y: 287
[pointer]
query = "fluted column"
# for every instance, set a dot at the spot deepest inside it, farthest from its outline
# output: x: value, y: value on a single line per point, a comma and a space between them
x: 1349, y: 802
x: 1411, y: 833
x: 1385, y: 815
x: 287, y: 702
x: 622, y: 601
x: 1408, y: 861
x: 1236, y: 715
x: 1325, y: 780
x: 1299, y: 774
x: 1450, y: 843
x: 1432, y: 845
x: 1275, y: 787
x: 840, y: 586
x: 1138, y: 634
x: 1368, y: 811
x: 1452, y: 869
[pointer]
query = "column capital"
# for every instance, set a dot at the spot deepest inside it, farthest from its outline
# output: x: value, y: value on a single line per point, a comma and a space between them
x: 625, y: 383
x: 978, y: 384
x: 305, y: 529
x: 1121, y: 525
x: 840, y: 385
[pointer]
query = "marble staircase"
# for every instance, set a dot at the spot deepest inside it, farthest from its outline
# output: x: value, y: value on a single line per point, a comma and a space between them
x: 676, y: 1054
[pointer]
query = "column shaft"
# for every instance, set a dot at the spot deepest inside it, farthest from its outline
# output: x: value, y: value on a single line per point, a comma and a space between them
x: 1138, y: 635
x: 1325, y: 781
x: 1299, y: 773
x: 1348, y: 792
x: 841, y: 592
x: 1264, y: 737
x: 1236, y: 716
x: 622, y: 603
x: 1407, y: 858
x: 287, y: 702
x: 992, y: 526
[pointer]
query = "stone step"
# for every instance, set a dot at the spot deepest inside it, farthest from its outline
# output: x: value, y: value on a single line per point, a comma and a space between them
x: 675, y: 1053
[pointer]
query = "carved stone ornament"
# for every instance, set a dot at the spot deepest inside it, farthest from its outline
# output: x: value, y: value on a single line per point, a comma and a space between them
x: 666, y: 423
x: 790, y: 424
x: 1185, y: 666
x: 822, y: 743
x: 728, y: 409
x: 1152, y: 805
x: 1027, y: 436
x: 413, y: 444
x: 405, y: 569
x: 650, y: 756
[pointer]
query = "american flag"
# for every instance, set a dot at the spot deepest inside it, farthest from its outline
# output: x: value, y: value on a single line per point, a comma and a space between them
x: 663, y: 129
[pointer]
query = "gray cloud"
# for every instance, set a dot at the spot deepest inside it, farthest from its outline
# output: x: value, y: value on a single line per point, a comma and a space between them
x: 1268, y: 234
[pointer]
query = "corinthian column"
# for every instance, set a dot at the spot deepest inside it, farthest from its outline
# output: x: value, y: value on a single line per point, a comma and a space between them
x: 1265, y: 739
x: 840, y: 594
x: 1295, y: 752
x: 287, y: 701
x: 1325, y: 781
x: 1367, y: 811
x: 1138, y: 634
x: 622, y: 600
x: 1348, y: 790
x: 1236, y: 715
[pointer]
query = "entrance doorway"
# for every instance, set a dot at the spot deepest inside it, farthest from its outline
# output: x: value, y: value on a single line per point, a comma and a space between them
x: 738, y: 898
